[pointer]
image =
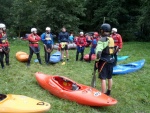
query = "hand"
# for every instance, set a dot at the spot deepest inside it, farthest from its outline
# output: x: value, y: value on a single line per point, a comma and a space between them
x: 119, y: 50
x: 96, y: 64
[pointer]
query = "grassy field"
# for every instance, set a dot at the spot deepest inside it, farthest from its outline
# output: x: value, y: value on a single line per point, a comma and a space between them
x: 131, y: 90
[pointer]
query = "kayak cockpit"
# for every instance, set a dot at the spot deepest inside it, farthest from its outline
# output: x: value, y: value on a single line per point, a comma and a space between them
x: 65, y: 84
x: 2, y: 97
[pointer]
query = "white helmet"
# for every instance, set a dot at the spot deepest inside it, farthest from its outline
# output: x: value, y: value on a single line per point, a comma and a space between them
x: 33, y: 30
x: 81, y: 33
x: 114, y: 29
x: 48, y: 29
x: 3, y: 26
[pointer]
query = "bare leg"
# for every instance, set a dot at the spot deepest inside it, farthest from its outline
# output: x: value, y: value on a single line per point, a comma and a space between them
x: 103, y: 86
x: 62, y: 54
x: 67, y: 54
x: 110, y: 84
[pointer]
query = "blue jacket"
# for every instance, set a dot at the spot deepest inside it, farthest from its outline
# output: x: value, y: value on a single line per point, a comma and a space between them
x: 43, y: 36
x: 63, y: 37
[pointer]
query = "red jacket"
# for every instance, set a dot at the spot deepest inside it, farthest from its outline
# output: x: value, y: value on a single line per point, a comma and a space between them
x: 3, y: 44
x: 33, y: 40
x: 81, y: 41
x: 117, y: 40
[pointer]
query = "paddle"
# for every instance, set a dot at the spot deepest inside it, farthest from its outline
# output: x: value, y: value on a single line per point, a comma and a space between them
x: 93, y: 82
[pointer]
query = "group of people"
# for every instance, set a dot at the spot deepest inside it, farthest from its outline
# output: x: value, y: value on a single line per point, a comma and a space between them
x: 105, y: 45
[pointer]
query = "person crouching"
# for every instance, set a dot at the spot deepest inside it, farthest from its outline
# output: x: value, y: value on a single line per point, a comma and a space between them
x: 34, y: 39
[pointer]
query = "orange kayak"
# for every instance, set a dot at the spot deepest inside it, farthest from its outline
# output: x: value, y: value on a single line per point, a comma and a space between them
x: 86, y: 57
x: 22, y: 56
x: 65, y: 88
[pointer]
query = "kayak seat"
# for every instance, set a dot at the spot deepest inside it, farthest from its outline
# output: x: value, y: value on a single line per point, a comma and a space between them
x: 2, y: 97
x: 65, y: 84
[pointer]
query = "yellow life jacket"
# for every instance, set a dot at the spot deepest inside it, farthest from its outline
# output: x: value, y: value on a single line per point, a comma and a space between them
x: 111, y: 45
x: 109, y: 50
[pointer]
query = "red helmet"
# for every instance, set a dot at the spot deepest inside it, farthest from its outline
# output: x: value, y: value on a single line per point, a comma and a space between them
x: 96, y: 34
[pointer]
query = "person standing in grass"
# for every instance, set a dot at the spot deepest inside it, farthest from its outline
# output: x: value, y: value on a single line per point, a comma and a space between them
x: 47, y: 39
x: 104, y: 60
x: 93, y: 45
x: 63, y: 40
x: 4, y: 45
x: 118, y: 43
x: 81, y: 42
x: 34, y: 39
x: 71, y: 38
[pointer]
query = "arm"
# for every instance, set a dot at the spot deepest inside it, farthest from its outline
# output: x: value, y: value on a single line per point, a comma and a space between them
x: 120, y: 41
x: 43, y: 37
x: 31, y: 39
x: 59, y: 37
x: 52, y: 39
x: 99, y: 48
x: 37, y: 38
x: 84, y: 41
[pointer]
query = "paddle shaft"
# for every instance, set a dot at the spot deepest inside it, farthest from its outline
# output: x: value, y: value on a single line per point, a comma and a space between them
x: 93, y: 82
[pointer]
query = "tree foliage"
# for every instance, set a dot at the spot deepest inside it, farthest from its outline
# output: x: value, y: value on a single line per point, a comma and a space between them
x: 130, y: 17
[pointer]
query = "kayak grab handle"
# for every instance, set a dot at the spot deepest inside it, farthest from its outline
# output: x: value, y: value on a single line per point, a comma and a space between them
x: 40, y: 103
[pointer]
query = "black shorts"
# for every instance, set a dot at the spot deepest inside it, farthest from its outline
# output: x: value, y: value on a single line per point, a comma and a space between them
x: 65, y: 47
x: 105, y: 70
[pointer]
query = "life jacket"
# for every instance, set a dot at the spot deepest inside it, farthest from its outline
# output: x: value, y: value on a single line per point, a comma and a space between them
x: 49, y: 41
x: 109, y: 50
x: 81, y: 40
x: 3, y: 38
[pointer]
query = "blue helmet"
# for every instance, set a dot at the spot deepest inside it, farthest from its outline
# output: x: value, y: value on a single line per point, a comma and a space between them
x: 106, y: 27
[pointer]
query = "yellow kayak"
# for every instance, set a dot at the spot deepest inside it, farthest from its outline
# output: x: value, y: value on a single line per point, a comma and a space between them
x: 22, y: 104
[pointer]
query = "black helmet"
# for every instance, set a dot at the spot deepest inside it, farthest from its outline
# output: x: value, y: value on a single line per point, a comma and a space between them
x: 106, y: 27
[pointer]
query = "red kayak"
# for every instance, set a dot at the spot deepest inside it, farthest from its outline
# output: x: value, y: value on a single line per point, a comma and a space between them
x: 86, y: 57
x: 65, y: 88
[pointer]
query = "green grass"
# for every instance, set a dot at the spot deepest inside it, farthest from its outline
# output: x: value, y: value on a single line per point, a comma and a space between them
x: 131, y: 90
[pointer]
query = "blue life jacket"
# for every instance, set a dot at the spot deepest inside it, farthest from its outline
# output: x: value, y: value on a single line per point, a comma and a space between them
x: 44, y: 36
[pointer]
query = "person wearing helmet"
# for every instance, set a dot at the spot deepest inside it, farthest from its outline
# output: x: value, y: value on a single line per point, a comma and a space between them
x: 81, y: 42
x: 34, y: 39
x: 104, y: 60
x: 47, y: 39
x: 93, y: 44
x: 118, y: 43
x: 63, y: 40
x: 4, y: 45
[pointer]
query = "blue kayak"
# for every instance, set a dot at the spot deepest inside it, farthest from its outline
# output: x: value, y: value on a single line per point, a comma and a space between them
x: 120, y: 58
x: 56, y: 57
x: 128, y: 68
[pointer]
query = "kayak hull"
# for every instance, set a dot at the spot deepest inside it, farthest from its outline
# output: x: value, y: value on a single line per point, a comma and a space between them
x: 61, y: 87
x: 93, y: 57
x: 86, y: 57
x: 121, y: 58
x: 56, y: 57
x: 22, y: 56
x: 22, y: 104
x: 128, y: 68
x: 70, y: 46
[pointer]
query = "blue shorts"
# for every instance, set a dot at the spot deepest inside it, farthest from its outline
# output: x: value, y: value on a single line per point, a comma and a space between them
x: 80, y: 49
